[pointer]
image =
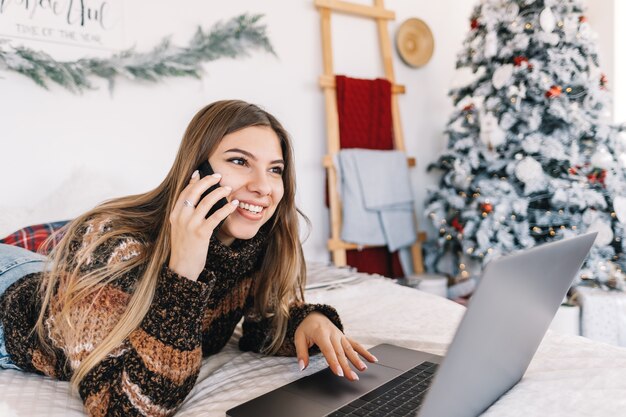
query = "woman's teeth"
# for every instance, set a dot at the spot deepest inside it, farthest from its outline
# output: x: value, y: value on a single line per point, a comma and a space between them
x: 250, y: 207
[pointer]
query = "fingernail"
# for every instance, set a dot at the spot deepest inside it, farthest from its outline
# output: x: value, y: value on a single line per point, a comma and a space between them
x: 301, y: 363
x: 235, y: 202
x: 216, y: 175
x: 362, y: 366
x: 339, y: 370
x: 375, y: 358
x: 195, y: 174
x: 354, y: 375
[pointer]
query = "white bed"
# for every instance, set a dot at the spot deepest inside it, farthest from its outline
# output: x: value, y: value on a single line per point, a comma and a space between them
x: 569, y: 376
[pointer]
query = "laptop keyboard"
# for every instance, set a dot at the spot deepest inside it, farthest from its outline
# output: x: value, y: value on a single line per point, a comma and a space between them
x: 400, y: 397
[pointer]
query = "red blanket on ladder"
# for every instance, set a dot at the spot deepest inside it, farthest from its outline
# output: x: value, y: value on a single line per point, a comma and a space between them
x: 364, y: 109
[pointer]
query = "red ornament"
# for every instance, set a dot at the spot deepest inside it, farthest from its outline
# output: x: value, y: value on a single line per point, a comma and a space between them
x: 582, y: 19
x: 519, y: 60
x: 554, y: 91
x: 469, y: 107
x: 597, y: 177
x: 573, y: 171
x: 457, y: 225
x: 487, y: 208
x: 604, y: 80
x: 474, y: 24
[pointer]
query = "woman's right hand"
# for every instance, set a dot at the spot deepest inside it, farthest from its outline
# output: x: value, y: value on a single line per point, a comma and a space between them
x: 190, y: 230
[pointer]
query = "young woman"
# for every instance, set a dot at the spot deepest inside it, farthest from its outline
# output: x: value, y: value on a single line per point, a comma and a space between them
x: 141, y: 288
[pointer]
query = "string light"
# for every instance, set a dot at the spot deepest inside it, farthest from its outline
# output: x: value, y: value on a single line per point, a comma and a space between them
x: 449, y: 237
x: 528, y: 26
x: 470, y: 251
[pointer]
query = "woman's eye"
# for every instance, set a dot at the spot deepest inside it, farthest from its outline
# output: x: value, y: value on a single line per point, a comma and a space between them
x: 277, y: 170
x: 238, y: 161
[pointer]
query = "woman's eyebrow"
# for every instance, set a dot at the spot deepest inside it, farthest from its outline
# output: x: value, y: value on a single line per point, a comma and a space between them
x: 251, y: 156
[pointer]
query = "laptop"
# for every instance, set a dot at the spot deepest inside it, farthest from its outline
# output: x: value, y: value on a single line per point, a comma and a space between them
x: 506, y: 320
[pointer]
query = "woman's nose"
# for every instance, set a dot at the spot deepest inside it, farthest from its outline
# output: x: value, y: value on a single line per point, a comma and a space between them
x: 259, y: 183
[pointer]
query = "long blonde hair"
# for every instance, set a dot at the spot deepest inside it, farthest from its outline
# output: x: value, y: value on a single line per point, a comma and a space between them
x: 279, y: 281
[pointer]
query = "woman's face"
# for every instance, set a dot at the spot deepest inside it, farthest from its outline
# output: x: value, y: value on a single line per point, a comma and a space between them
x: 251, y: 162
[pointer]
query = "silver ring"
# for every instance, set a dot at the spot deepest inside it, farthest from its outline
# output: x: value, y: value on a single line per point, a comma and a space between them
x: 188, y: 203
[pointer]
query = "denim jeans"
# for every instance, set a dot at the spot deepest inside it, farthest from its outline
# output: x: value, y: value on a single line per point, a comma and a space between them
x: 15, y: 263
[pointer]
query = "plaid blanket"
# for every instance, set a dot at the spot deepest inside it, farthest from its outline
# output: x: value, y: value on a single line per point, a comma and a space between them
x: 32, y: 237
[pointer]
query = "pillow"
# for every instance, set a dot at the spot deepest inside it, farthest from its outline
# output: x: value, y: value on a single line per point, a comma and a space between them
x: 32, y: 237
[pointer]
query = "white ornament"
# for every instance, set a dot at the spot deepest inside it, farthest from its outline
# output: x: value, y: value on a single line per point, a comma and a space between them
x: 490, y: 132
x: 547, y: 21
x: 491, y: 44
x: 605, y: 233
x: 502, y: 76
x: 529, y: 170
x: 602, y: 159
x: 619, y: 206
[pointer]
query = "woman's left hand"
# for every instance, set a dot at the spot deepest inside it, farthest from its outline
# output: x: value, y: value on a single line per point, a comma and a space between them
x: 338, y: 349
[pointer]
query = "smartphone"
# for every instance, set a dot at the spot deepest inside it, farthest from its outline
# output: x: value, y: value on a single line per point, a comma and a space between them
x: 205, y: 169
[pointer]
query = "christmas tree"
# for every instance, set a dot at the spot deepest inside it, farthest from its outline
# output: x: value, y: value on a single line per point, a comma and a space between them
x: 531, y: 156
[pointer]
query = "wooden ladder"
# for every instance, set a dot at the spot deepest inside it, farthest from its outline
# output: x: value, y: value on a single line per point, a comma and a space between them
x: 327, y: 82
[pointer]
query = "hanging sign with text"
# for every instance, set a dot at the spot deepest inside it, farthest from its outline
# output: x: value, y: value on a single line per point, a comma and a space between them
x: 86, y: 23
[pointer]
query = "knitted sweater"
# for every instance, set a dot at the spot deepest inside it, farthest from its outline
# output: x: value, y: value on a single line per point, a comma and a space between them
x: 156, y: 366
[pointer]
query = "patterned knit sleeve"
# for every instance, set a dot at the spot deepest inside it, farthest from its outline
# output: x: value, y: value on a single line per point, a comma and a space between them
x: 154, y: 369
x: 258, y: 331
x: 151, y: 372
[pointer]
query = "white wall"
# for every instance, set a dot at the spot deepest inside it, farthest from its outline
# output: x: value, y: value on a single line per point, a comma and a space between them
x: 619, y: 52
x: 132, y: 135
x: 599, y: 14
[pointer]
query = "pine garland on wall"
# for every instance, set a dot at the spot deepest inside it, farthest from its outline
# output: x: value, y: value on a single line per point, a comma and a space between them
x: 232, y: 39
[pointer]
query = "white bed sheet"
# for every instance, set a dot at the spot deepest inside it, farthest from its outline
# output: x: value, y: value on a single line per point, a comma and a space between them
x: 569, y: 376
